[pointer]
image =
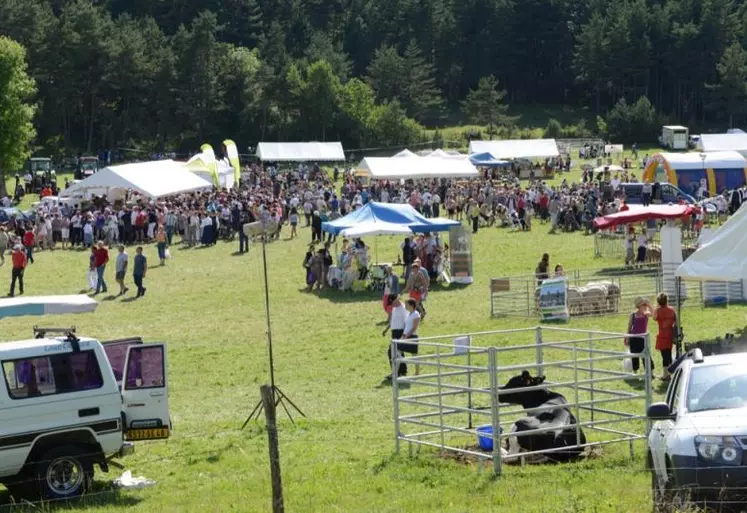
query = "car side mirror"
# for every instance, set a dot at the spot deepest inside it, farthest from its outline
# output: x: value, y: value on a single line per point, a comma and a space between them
x: 659, y: 411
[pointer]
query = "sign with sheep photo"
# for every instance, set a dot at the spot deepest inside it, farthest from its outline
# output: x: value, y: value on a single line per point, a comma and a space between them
x: 553, y: 299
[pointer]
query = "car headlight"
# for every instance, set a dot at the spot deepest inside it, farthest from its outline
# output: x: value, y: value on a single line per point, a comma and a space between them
x: 723, y: 449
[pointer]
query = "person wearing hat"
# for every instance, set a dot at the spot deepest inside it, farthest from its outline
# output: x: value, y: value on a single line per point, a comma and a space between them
x: 19, y: 265
x: 100, y: 259
x: 637, y: 329
x: 417, y: 286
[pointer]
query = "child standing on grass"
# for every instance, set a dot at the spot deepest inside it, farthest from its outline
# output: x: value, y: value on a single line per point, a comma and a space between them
x: 293, y: 220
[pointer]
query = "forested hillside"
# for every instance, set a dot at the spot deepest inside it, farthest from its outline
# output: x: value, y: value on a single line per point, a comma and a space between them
x: 173, y: 73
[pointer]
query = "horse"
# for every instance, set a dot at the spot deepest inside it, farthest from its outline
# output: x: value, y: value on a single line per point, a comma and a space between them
x: 559, y: 417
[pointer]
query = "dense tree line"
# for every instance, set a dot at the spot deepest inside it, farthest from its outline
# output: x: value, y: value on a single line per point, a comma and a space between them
x: 174, y: 73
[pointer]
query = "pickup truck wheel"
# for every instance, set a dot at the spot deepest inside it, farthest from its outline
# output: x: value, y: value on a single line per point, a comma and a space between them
x: 64, y: 473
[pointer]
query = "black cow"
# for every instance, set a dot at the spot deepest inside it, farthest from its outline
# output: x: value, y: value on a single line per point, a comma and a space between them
x: 560, y: 417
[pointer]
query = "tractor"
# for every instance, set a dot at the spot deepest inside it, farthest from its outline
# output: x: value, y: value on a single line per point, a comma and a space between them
x: 87, y: 166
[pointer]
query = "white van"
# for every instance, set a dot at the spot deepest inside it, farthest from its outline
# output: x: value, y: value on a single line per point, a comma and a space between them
x: 65, y: 407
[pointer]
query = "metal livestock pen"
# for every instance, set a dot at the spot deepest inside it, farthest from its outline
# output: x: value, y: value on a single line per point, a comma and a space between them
x: 459, y: 391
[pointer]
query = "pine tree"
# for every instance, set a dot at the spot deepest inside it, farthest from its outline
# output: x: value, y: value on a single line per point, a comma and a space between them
x: 422, y: 97
x: 484, y: 105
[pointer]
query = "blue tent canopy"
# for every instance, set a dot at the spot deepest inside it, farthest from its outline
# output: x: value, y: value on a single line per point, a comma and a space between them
x: 487, y: 160
x: 401, y: 214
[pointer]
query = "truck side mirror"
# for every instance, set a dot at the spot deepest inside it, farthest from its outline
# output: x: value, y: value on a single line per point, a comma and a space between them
x: 659, y: 411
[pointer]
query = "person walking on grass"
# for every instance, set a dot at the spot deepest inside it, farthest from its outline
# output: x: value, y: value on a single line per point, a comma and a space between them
x: 121, y: 267
x: 161, y: 244
x: 101, y: 258
x: 28, y: 242
x: 19, y: 265
x: 139, y: 269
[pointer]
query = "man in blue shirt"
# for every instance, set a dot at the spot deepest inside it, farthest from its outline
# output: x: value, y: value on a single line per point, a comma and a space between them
x: 139, y: 269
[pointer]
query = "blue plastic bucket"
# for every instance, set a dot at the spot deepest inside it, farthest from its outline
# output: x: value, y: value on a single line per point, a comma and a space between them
x: 486, y: 441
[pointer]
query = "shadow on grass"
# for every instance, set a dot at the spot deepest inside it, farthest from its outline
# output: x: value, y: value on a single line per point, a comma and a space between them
x: 657, y: 386
x: 100, y: 495
x: 130, y: 299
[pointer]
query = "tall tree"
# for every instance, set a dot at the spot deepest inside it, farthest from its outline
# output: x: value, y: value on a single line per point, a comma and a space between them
x: 729, y: 95
x: 421, y: 97
x: 16, y: 112
x: 590, y: 58
x: 387, y: 73
x: 484, y: 105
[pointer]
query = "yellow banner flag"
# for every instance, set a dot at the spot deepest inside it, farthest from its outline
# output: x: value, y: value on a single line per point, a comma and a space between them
x: 232, y: 152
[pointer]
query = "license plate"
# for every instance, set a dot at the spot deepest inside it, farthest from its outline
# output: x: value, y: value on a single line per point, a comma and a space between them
x: 146, y: 434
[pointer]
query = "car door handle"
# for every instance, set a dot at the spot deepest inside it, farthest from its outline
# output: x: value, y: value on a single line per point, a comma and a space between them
x: 156, y: 394
x: 88, y: 412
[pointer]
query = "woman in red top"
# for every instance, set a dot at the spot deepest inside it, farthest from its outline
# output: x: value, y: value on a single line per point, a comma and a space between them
x: 666, y: 318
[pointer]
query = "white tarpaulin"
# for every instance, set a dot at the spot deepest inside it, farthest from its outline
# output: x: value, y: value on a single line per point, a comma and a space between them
x: 394, y: 168
x: 46, y: 305
x: 516, y: 148
x: 300, y: 152
x: 151, y: 179
x: 724, y: 257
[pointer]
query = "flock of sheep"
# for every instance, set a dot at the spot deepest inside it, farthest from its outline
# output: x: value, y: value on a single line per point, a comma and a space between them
x: 594, y: 298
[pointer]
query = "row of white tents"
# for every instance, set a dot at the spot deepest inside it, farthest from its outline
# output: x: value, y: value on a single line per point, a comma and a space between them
x: 165, y: 177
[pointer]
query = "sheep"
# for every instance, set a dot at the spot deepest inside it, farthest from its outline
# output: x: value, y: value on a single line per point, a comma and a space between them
x: 594, y: 298
x: 653, y: 253
x: 612, y: 292
x: 575, y: 300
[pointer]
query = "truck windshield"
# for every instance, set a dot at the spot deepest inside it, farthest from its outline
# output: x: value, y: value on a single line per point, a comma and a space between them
x: 717, y: 387
x: 37, y: 166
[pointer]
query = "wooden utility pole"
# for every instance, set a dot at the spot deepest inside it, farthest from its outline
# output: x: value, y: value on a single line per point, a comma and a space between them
x: 268, y: 401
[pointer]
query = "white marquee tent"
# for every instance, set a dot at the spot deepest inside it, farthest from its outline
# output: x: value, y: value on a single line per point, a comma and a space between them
x: 724, y: 142
x: 516, y: 148
x: 414, y: 167
x: 300, y: 152
x: 724, y: 257
x: 153, y: 179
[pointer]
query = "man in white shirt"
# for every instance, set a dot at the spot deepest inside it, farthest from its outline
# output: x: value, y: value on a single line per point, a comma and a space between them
x: 384, y: 196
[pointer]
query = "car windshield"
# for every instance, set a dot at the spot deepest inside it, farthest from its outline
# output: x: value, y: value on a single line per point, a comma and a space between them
x: 88, y: 165
x: 40, y: 165
x: 717, y: 387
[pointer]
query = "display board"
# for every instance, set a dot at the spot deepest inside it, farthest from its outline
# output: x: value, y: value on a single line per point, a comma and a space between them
x: 460, y: 254
x: 553, y: 300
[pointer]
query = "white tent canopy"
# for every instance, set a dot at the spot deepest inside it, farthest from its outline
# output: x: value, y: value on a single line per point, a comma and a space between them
x: 151, y: 179
x: 724, y: 142
x: 371, y: 228
x: 724, y: 257
x: 300, y: 152
x: 394, y: 168
x: 516, y: 148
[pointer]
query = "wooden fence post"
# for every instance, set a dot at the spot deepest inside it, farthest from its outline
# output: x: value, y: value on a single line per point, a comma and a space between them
x: 268, y: 400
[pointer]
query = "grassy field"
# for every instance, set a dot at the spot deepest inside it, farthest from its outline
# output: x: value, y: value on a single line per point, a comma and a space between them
x: 330, y: 359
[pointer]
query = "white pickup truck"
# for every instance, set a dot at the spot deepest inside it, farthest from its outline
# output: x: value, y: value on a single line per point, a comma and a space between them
x: 70, y: 403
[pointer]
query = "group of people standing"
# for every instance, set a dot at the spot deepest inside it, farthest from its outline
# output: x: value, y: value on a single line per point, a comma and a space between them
x: 98, y: 260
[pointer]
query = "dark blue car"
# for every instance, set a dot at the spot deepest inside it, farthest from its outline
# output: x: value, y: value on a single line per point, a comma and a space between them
x: 669, y: 194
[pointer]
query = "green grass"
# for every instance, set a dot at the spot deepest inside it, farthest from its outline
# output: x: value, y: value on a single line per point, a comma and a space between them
x: 330, y: 360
